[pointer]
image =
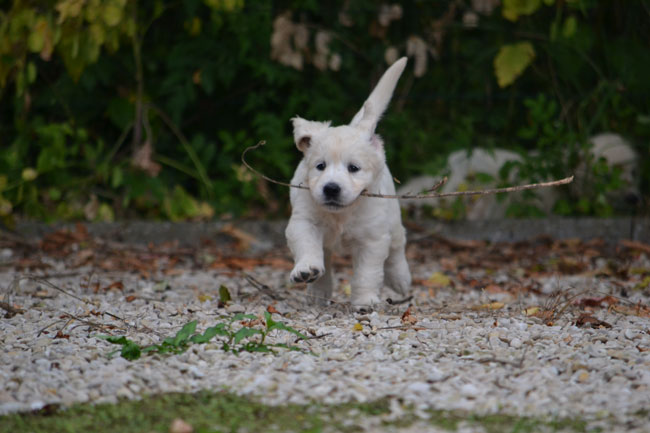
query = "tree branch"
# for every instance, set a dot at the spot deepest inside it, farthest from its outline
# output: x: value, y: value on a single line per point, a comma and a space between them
x: 429, y: 192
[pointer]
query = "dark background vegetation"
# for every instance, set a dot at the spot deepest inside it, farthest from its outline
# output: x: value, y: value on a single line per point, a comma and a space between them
x: 123, y: 108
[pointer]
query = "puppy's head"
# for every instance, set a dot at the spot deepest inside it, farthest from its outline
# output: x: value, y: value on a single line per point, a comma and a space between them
x: 341, y: 161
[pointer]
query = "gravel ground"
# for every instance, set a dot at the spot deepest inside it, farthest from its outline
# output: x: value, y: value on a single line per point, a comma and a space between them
x: 468, y: 342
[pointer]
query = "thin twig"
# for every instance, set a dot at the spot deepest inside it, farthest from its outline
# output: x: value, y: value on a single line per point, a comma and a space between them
x: 399, y: 301
x: 90, y: 323
x: 315, y: 337
x: 38, y: 334
x: 38, y: 279
x: 418, y: 196
x: 263, y: 288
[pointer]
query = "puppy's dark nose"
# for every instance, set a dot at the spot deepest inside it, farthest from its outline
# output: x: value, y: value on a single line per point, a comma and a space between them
x: 331, y: 190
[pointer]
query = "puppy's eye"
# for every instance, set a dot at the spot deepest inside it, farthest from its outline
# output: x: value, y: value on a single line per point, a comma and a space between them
x: 353, y: 168
x: 320, y: 166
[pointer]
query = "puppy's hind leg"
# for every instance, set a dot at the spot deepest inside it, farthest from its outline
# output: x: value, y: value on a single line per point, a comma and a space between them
x: 397, y: 275
x: 320, y: 291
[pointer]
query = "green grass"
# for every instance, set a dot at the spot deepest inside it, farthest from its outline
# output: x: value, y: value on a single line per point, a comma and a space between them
x: 224, y: 412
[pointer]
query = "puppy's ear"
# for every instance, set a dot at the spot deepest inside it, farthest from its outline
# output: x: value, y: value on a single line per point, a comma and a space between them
x: 368, y: 117
x: 304, y: 130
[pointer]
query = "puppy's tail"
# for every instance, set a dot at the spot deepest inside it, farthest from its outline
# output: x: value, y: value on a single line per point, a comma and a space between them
x: 368, y: 117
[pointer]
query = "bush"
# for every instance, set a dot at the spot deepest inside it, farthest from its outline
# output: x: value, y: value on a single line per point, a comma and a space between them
x: 118, y: 109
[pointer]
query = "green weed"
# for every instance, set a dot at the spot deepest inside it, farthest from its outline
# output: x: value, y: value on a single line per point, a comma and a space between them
x: 250, y: 337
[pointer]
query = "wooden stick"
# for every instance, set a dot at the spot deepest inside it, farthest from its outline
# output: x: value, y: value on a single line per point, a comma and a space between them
x: 428, y: 194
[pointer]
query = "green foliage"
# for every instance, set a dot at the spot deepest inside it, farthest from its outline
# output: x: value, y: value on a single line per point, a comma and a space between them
x: 219, y: 411
x: 117, y: 109
x: 235, y: 341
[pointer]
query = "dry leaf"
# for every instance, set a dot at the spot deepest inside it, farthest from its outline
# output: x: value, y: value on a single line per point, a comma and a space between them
x: 589, y: 320
x: 130, y: 298
x: 358, y: 327
x: 490, y: 306
x: 438, y: 279
x: 60, y: 334
x: 203, y: 298
x: 531, y: 311
x: 408, y: 318
x: 142, y: 159
x: 271, y: 309
x: 597, y: 302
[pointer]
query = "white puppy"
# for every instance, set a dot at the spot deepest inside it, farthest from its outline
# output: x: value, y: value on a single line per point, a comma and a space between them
x: 338, y: 164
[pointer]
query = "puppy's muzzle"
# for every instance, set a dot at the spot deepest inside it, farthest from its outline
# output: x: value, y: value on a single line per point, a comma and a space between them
x: 332, y: 191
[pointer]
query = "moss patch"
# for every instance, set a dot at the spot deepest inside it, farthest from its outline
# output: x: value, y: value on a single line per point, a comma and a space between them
x: 221, y: 412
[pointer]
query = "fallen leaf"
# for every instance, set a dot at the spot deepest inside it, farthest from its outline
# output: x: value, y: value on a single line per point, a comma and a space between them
x: 11, y: 310
x: 60, y: 334
x: 130, y: 298
x: 438, y: 279
x: 251, y: 323
x: 271, y: 309
x: 490, y: 306
x: 596, y: 302
x: 409, y: 318
x: 117, y: 285
x: 203, y: 298
x: 358, y: 327
x: 632, y: 310
x: 635, y: 245
x: 531, y: 311
x: 591, y: 321
x: 494, y: 288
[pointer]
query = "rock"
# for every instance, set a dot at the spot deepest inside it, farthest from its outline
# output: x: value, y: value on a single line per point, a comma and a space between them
x: 235, y: 308
x: 180, y: 426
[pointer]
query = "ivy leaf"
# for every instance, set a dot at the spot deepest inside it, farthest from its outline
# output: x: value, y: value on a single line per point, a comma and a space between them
x: 511, y: 61
x: 512, y: 9
x: 224, y: 294
x: 69, y: 8
x: 112, y: 14
x: 569, y: 27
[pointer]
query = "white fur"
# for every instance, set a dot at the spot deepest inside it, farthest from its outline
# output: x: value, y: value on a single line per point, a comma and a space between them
x: 321, y: 221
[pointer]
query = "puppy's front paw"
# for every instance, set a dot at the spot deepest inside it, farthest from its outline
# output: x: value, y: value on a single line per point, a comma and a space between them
x: 306, y: 273
x: 366, y: 299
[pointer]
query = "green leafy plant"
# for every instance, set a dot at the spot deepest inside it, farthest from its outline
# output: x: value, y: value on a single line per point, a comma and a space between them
x: 249, y: 337
x: 120, y: 109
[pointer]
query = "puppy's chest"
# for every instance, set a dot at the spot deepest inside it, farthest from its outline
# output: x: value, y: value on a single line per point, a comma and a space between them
x: 343, y: 235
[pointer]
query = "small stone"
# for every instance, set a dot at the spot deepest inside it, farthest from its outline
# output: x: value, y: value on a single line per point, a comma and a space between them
x: 468, y: 390
x: 631, y: 334
x: 196, y: 372
x: 418, y: 387
x: 235, y: 308
x: 516, y: 343
x: 583, y: 377
x: 180, y: 426
x: 124, y: 392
